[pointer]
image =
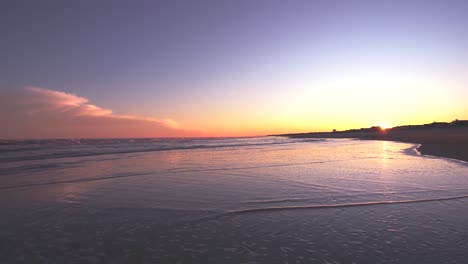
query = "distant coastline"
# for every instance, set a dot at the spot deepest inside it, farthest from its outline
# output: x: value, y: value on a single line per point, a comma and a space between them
x: 442, y: 139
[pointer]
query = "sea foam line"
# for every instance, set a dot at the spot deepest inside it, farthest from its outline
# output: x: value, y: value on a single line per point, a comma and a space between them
x: 327, y: 206
x: 318, y: 207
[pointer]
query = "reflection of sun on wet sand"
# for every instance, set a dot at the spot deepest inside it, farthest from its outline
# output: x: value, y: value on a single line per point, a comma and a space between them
x: 439, y: 139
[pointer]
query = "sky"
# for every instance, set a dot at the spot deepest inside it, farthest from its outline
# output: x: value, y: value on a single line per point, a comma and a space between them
x: 174, y: 68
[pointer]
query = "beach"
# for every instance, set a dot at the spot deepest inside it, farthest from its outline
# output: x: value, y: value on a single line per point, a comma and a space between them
x: 234, y: 132
x: 246, y: 200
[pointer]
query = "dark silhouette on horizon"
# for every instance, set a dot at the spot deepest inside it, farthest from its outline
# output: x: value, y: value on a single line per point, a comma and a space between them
x: 446, y: 139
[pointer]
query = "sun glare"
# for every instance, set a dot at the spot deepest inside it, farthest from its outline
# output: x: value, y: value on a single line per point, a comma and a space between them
x: 384, y: 127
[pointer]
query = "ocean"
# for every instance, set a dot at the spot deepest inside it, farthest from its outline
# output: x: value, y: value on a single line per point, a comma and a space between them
x: 230, y: 200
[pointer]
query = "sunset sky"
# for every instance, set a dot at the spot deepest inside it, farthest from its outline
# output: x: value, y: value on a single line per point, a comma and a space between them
x: 228, y: 68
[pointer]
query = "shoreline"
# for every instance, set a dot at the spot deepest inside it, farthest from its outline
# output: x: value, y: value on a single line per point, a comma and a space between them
x: 439, y: 142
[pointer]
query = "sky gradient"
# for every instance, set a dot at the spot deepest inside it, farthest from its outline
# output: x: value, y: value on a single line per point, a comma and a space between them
x: 228, y: 68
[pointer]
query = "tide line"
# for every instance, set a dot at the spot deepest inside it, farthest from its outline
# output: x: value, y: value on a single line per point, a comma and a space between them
x: 327, y: 206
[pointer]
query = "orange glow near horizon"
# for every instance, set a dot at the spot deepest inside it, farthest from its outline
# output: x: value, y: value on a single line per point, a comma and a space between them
x: 44, y: 113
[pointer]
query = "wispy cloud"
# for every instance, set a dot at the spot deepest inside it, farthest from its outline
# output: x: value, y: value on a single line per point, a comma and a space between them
x: 35, y: 112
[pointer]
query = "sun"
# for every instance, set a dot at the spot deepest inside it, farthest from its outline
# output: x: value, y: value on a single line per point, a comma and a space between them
x: 384, y: 126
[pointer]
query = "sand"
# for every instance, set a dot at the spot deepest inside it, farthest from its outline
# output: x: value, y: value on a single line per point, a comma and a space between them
x: 254, y: 200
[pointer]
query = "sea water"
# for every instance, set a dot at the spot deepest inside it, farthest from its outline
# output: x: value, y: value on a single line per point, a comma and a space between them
x: 231, y: 200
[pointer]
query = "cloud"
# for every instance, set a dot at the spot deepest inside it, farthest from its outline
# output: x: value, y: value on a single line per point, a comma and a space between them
x: 35, y: 112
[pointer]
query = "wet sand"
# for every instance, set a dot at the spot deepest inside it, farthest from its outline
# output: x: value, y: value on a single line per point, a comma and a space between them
x: 443, y: 142
x: 431, y: 232
x: 257, y: 200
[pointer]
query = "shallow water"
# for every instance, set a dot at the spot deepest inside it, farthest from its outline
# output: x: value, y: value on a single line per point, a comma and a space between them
x: 251, y: 200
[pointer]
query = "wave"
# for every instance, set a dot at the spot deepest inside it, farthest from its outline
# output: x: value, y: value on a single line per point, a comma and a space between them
x: 328, y: 206
x: 362, y: 193
x: 54, y: 149
x: 414, y: 151
x: 319, y: 207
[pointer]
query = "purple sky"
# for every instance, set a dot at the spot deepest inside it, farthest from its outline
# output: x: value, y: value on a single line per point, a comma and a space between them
x: 224, y: 67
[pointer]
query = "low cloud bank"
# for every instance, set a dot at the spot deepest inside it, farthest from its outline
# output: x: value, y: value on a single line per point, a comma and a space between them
x: 35, y: 112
